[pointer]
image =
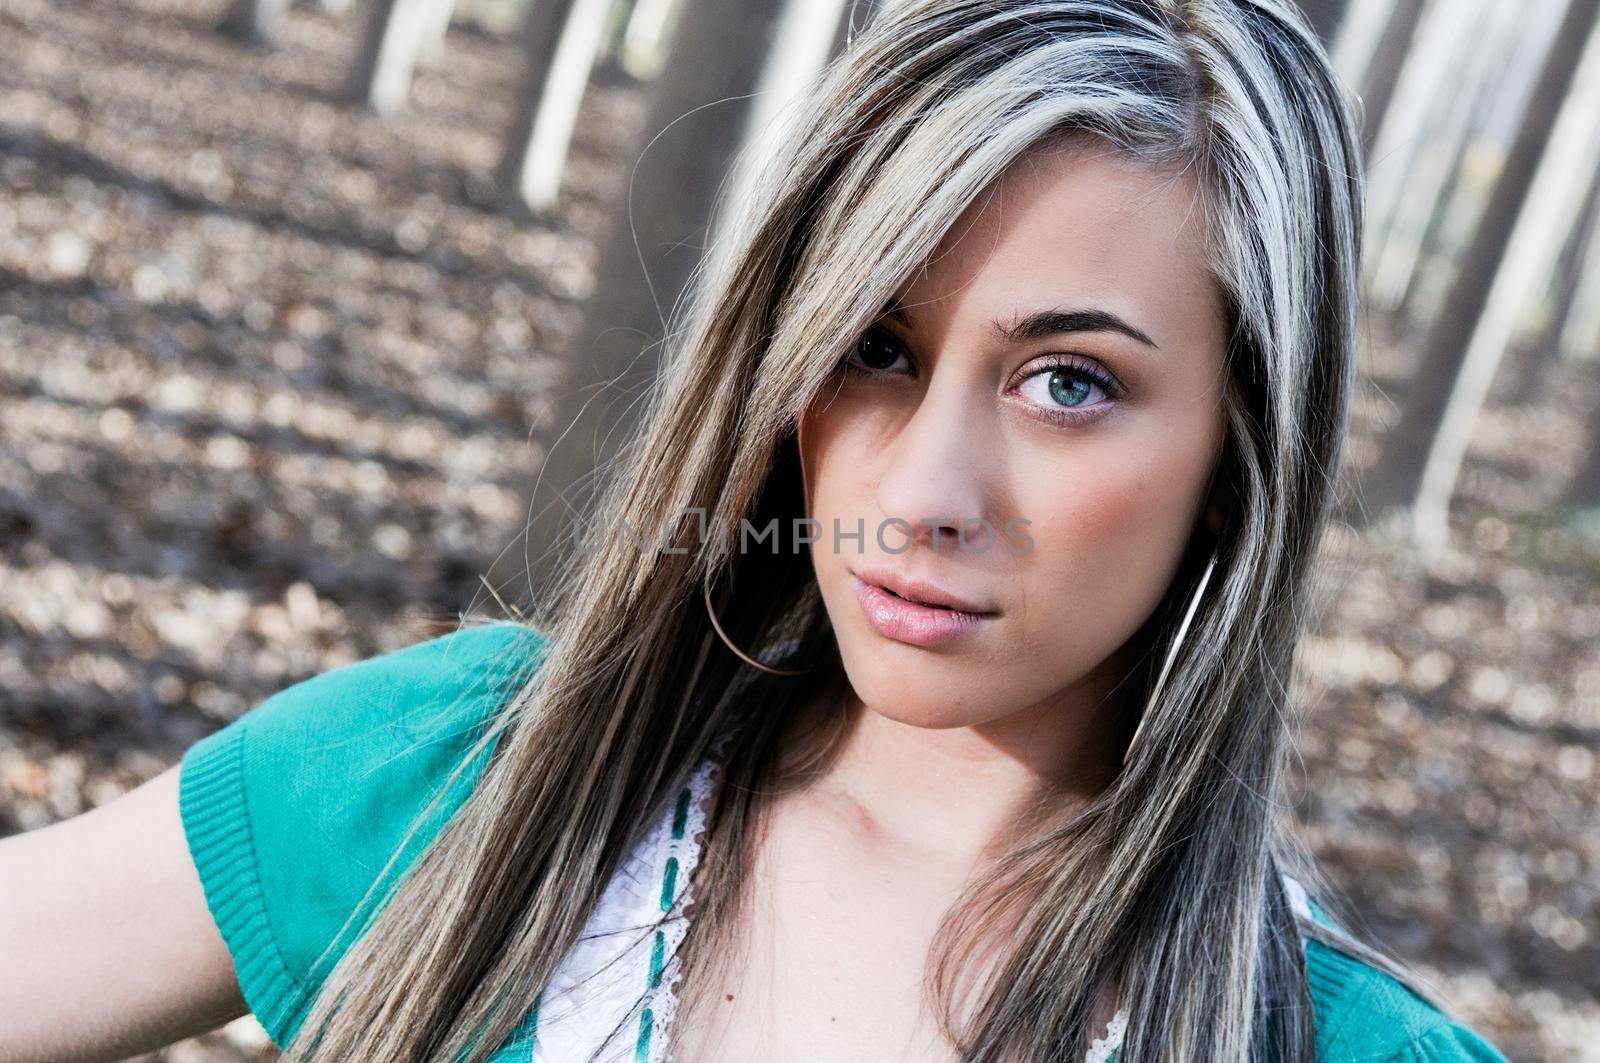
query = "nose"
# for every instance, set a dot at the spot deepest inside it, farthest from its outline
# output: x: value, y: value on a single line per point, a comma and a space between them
x: 933, y: 476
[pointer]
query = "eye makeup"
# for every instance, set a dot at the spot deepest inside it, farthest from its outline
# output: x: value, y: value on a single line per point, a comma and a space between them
x: 1044, y: 403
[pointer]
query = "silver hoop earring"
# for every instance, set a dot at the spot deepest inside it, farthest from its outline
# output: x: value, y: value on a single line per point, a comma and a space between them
x: 705, y: 592
x: 1172, y: 653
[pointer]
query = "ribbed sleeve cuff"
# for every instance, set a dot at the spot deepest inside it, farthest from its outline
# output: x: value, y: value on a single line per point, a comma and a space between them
x: 216, y: 823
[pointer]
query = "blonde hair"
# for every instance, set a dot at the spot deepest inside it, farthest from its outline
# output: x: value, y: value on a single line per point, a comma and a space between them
x: 1166, y: 886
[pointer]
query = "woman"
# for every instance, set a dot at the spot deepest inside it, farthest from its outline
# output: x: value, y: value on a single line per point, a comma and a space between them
x: 1013, y: 415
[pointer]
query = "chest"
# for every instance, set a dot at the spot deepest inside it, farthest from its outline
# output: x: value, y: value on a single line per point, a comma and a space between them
x: 835, y: 938
x: 833, y: 942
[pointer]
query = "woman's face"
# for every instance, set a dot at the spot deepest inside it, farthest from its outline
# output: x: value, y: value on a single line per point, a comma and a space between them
x: 1051, y: 382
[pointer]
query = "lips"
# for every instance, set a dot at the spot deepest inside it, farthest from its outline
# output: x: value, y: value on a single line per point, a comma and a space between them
x: 920, y: 592
x: 914, y: 623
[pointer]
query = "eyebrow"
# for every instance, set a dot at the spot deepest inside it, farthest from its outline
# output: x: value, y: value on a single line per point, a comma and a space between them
x: 1050, y: 322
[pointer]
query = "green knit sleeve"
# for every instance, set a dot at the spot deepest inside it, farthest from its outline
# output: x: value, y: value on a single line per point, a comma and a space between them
x: 1450, y: 1042
x: 292, y: 810
x: 1363, y: 1013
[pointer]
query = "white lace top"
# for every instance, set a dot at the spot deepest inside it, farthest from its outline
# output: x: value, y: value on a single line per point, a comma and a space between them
x: 614, y: 995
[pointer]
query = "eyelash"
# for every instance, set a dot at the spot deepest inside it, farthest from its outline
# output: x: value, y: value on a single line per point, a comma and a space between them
x: 1055, y: 363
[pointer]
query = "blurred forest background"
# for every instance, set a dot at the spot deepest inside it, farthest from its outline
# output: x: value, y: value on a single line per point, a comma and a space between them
x: 294, y: 299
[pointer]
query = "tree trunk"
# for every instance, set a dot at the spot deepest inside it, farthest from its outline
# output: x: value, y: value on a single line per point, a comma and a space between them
x: 438, y: 25
x: 1545, y: 347
x: 1383, y: 72
x: 645, y: 40
x: 1580, y: 333
x: 391, y: 37
x: 645, y: 261
x: 1422, y: 455
x: 1467, y: 85
x: 560, y: 40
x: 1412, y: 169
x: 608, y: 66
x: 804, y: 41
x: 1439, y: 179
x: 1584, y: 490
x: 252, y: 21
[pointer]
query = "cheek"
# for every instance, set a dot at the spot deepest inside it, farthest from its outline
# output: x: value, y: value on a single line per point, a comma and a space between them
x: 831, y: 437
x: 1106, y: 545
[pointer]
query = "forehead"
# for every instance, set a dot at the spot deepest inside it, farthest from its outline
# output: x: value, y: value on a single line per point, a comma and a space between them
x: 1079, y: 225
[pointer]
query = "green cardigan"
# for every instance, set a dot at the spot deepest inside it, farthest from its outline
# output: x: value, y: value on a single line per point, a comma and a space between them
x: 292, y: 810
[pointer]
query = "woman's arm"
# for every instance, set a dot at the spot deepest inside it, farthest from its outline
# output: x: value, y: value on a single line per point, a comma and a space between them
x: 108, y: 947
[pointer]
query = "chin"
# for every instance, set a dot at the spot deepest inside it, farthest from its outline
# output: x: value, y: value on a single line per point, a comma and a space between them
x: 931, y: 717
x: 916, y: 694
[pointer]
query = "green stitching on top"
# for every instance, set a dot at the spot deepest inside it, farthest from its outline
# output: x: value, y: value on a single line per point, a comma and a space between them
x: 668, y: 882
x: 680, y: 815
x: 641, y: 1051
x: 656, y: 954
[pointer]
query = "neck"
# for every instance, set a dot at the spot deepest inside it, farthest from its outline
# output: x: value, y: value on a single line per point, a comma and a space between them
x: 963, y: 794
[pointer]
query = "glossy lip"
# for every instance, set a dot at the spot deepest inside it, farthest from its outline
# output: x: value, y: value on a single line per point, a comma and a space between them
x: 921, y: 593
x: 912, y: 622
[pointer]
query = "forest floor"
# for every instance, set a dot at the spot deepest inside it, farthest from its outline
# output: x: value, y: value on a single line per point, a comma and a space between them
x: 273, y: 370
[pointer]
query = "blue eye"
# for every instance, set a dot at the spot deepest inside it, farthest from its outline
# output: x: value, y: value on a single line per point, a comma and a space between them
x: 1067, y: 386
x: 1063, y: 390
